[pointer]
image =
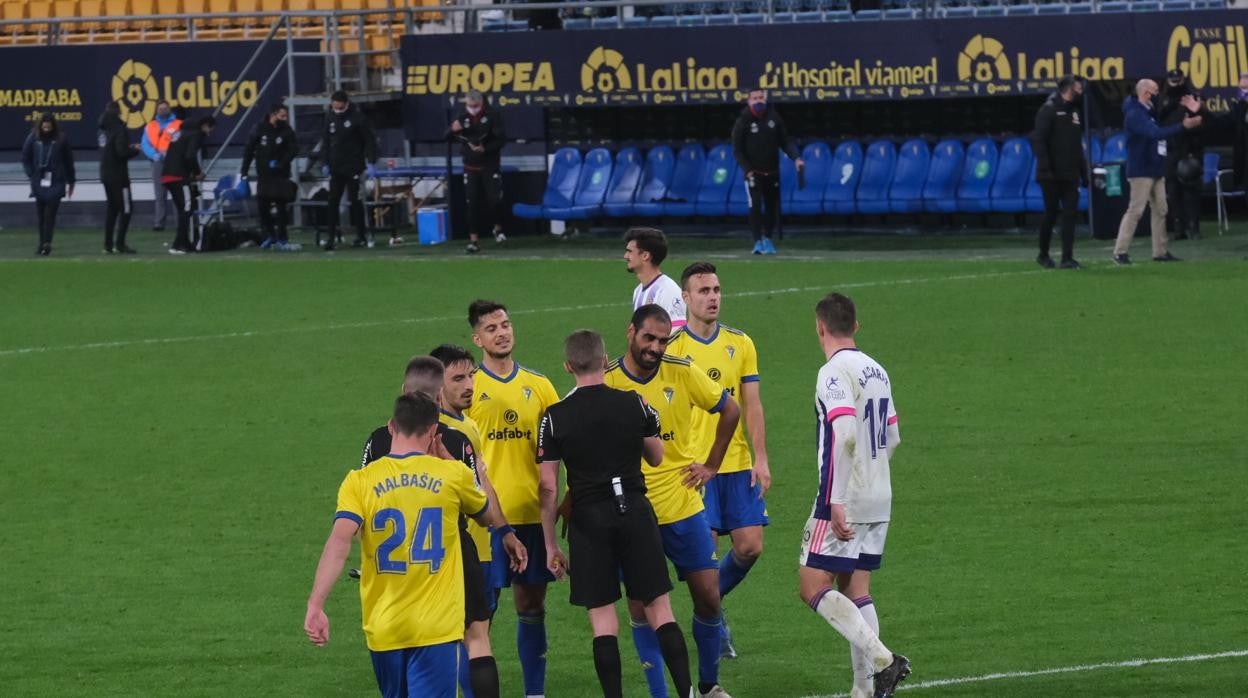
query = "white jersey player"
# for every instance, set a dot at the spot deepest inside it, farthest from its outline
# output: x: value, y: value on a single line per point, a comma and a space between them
x: 844, y: 537
x: 644, y: 250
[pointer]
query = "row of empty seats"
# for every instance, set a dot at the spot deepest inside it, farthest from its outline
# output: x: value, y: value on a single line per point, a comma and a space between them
x: 788, y: 11
x: 880, y: 179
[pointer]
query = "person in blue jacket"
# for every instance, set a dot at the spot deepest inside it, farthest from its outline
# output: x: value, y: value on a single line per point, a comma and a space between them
x: 49, y: 164
x: 1146, y: 168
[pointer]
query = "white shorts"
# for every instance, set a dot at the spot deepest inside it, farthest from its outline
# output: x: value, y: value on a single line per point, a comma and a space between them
x: 822, y: 550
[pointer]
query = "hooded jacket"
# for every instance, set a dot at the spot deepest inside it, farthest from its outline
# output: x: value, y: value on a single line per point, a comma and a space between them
x: 486, y: 130
x: 1057, y: 141
x: 758, y: 140
x: 272, y: 148
x: 115, y: 150
x: 348, y: 143
x: 1146, y: 140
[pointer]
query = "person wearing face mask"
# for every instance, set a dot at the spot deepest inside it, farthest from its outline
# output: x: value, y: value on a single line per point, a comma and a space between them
x: 183, y: 171
x: 272, y: 147
x: 116, y: 151
x: 481, y: 134
x: 757, y: 139
x: 1185, y: 154
x: 1057, y: 142
x: 49, y: 164
x: 1146, y: 168
x: 348, y: 151
x: 157, y: 136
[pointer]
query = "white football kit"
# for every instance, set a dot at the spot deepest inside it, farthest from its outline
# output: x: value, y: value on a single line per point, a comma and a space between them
x: 857, y: 432
x: 665, y: 293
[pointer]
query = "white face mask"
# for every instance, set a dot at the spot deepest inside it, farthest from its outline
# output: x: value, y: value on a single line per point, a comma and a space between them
x: 474, y: 110
x: 340, y: 111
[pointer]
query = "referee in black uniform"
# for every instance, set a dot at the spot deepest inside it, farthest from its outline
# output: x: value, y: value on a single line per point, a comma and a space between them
x: 601, y: 435
x: 424, y: 375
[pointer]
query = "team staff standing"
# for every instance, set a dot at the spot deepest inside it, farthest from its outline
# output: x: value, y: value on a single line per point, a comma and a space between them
x: 1057, y: 141
x: 348, y: 151
x: 157, y: 136
x: 49, y: 164
x: 405, y: 508
x: 677, y: 388
x: 273, y: 148
x: 601, y: 435
x: 182, y: 172
x: 480, y: 131
x: 757, y: 139
x: 116, y: 151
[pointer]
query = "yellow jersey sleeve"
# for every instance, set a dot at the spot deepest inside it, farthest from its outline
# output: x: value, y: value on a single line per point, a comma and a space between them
x: 350, y: 503
x: 749, y: 361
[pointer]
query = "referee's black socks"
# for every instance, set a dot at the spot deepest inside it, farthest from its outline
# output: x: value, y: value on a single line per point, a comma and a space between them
x: 607, y: 663
x: 483, y: 677
x: 675, y: 656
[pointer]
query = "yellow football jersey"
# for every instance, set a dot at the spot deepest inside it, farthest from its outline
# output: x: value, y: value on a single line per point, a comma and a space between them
x: 464, y: 425
x: 508, y: 411
x: 730, y: 359
x: 411, y: 568
x: 677, y: 390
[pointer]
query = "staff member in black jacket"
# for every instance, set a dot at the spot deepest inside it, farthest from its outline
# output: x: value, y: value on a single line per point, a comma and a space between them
x: 348, y: 150
x: 49, y: 164
x: 757, y: 139
x: 481, y: 133
x: 273, y: 148
x: 181, y: 176
x: 1184, y: 159
x: 1057, y: 142
x: 116, y: 151
x: 601, y: 434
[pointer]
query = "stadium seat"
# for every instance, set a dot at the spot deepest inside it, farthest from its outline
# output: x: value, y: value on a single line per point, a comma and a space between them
x: 807, y: 16
x: 1176, y: 5
x: 788, y: 178
x: 738, y: 197
x: 899, y: 13
x: 591, y: 189
x: 623, y: 186
x: 656, y: 177
x: 1052, y: 8
x: 808, y: 201
x: 940, y: 191
x: 1009, y: 187
x: 686, y: 179
x: 905, y: 194
x: 1146, y: 6
x: 878, y: 166
x: 1020, y: 10
x: 1115, y: 149
x: 1092, y: 149
x: 838, y: 195
x: 868, y: 16
x: 1034, y: 197
x: 990, y: 11
x: 560, y: 185
x: 1116, y: 6
x: 717, y: 179
x: 978, y: 170
x: 663, y: 21
x: 1079, y: 8
x: 636, y: 22
x: 958, y: 12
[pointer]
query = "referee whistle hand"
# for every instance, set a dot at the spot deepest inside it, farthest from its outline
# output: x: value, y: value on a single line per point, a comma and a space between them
x: 316, y: 625
x: 556, y: 562
x: 840, y: 528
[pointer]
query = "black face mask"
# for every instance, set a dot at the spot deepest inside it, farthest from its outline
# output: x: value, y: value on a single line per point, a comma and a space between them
x: 1154, y: 101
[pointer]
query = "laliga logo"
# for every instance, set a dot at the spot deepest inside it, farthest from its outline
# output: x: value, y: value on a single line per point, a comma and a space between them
x: 134, y: 88
x: 604, y: 70
x: 983, y: 60
x: 137, y: 90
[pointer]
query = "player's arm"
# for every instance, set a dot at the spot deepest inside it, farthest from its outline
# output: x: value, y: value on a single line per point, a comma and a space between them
x: 697, y: 474
x: 651, y: 428
x: 548, y: 490
x: 845, y: 438
x: 756, y: 427
x: 333, y: 558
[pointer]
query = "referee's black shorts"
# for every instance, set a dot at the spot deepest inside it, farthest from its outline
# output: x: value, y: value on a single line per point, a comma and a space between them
x: 476, y: 598
x: 606, y: 546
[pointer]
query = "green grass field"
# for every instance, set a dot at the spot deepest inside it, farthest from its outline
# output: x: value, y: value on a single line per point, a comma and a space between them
x: 1070, y: 489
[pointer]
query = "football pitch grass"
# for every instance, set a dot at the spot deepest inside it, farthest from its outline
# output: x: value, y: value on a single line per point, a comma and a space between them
x: 1070, y: 486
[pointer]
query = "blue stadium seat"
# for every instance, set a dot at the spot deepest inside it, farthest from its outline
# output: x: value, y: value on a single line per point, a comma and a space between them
x: 636, y: 22
x: 807, y: 16
x: 1079, y: 8
x: 838, y: 16
x: 686, y: 179
x: 1116, y: 6
x: 663, y: 21
x: 940, y: 192
x: 656, y: 177
x: 717, y: 178
x: 1092, y: 149
x: 1034, y: 197
x: 618, y: 202
x: 978, y: 170
x: 808, y: 201
x: 1020, y: 10
x: 868, y: 16
x: 605, y: 22
x: 751, y: 18
x: 691, y: 20
x: 990, y: 11
x: 1115, y: 149
x: 877, y: 173
x: 738, y: 197
x: 958, y: 12
x: 905, y: 194
x: 838, y: 195
x: 899, y: 13
x: 788, y: 179
x: 1009, y: 187
x: 720, y: 20
x: 1146, y: 6
x: 1176, y: 5
x: 1211, y: 163
x: 576, y: 23
x: 591, y: 188
x: 1052, y: 8
x: 560, y: 185
x: 1209, y: 5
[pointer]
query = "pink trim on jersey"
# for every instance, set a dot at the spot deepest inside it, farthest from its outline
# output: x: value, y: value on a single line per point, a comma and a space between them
x: 827, y: 497
x: 677, y: 324
x: 841, y: 412
x: 892, y: 420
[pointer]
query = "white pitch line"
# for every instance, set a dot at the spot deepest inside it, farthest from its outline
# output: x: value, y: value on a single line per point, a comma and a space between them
x: 1077, y: 668
x: 116, y: 344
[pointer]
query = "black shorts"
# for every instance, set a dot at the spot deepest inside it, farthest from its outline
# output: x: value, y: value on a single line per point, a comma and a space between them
x: 476, y: 596
x: 606, y: 546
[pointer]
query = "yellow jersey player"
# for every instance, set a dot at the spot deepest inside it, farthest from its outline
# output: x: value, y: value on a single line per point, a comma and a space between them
x: 508, y: 402
x: 676, y: 388
x: 734, y: 499
x: 406, y: 508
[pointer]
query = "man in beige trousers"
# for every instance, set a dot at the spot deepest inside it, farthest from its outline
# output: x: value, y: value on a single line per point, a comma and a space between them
x: 1146, y: 168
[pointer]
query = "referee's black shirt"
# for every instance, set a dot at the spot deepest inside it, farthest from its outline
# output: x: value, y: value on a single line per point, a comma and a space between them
x: 598, y: 433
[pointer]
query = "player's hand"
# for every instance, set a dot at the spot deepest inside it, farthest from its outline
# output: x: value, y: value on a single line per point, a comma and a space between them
x: 1190, y: 103
x: 760, y: 474
x: 801, y: 164
x: 439, y: 449
x: 1191, y: 121
x: 557, y: 562
x: 456, y: 127
x: 563, y: 513
x: 477, y: 148
x: 316, y: 625
x: 516, y: 553
x: 697, y: 475
x: 840, y: 529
